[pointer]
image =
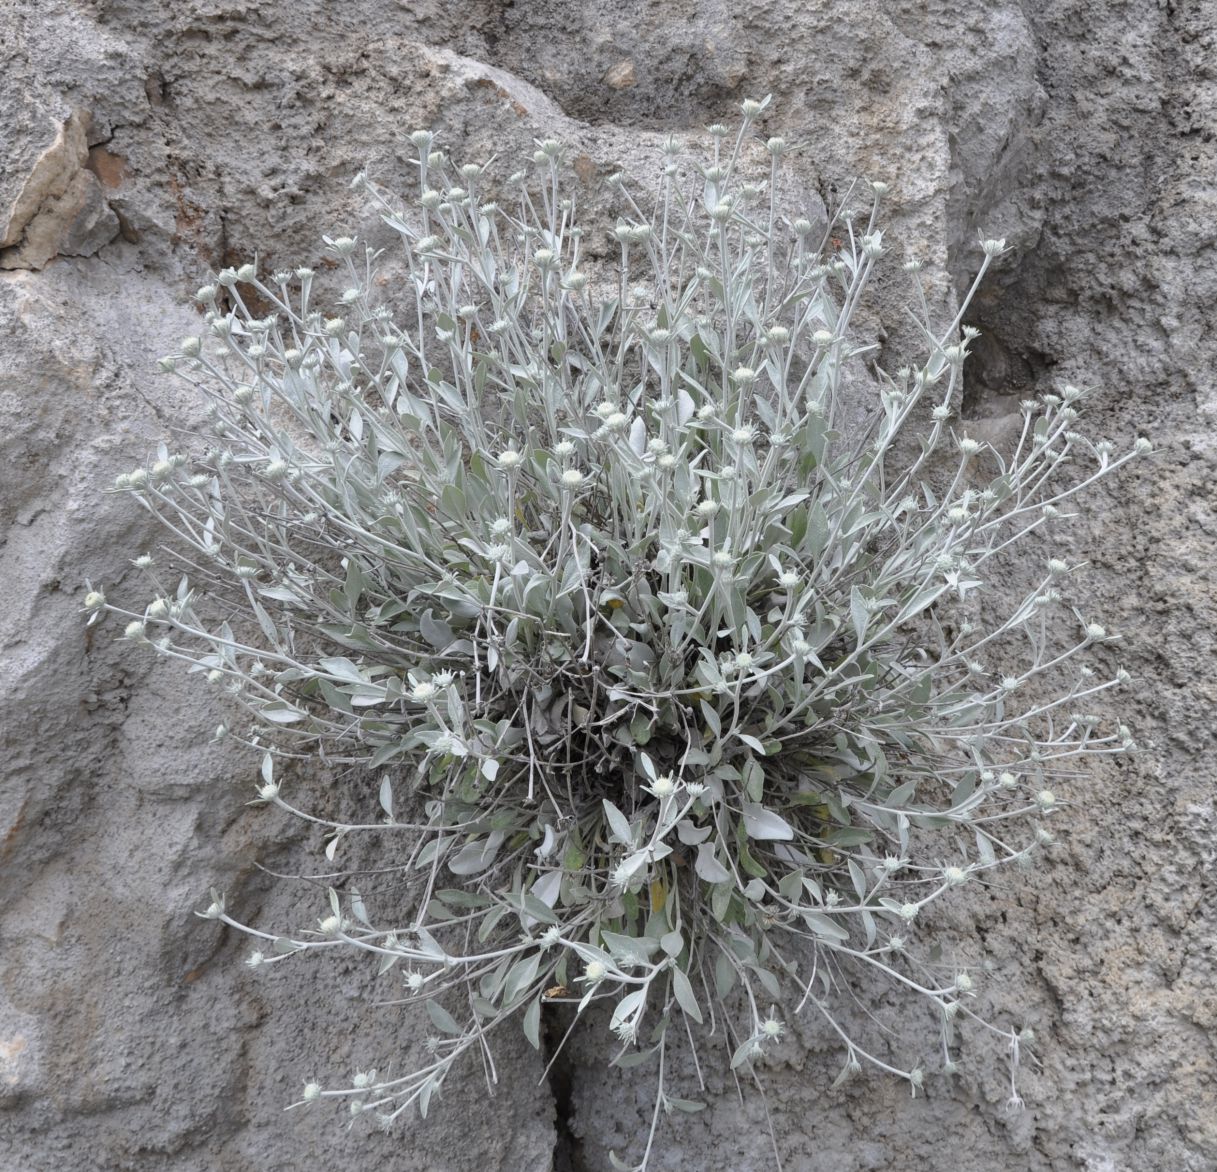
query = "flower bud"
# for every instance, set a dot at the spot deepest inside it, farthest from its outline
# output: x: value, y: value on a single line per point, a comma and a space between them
x: 663, y: 787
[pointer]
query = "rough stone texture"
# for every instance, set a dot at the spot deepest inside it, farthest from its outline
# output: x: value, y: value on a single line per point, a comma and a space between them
x: 146, y: 143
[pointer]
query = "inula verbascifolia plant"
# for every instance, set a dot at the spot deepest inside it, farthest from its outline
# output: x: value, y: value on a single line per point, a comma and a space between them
x: 653, y: 611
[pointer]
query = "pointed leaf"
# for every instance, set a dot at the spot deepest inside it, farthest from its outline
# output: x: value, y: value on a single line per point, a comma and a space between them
x: 682, y: 989
x: 764, y: 824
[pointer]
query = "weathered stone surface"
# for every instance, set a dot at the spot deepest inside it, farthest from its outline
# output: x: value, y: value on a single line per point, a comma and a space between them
x: 59, y: 210
x: 130, y: 1034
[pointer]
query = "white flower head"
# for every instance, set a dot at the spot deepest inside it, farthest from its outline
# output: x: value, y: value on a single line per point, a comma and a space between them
x: 626, y: 1030
x: 663, y: 787
x: 771, y: 1028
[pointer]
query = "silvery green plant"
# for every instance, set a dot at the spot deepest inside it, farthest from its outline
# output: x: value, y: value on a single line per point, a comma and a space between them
x: 656, y: 614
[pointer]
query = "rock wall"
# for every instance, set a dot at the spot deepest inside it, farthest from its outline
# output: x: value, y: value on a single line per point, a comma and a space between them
x: 146, y: 144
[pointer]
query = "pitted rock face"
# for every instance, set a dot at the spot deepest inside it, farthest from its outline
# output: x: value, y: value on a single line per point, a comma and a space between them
x: 146, y: 146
